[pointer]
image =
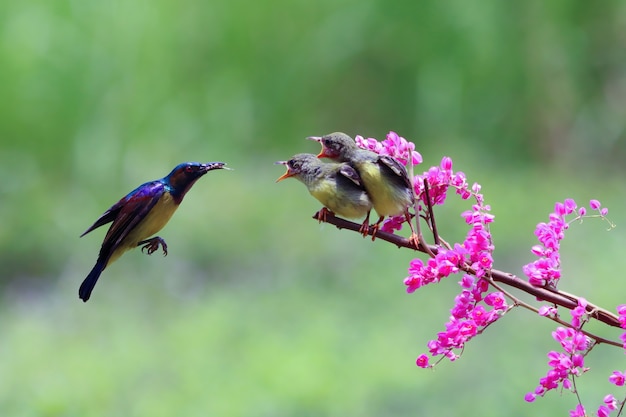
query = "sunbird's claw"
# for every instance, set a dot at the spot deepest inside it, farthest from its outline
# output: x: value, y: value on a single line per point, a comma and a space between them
x: 415, y: 240
x: 365, y: 226
x: 321, y: 215
x: 152, y: 245
x: 376, y: 227
x: 364, y: 229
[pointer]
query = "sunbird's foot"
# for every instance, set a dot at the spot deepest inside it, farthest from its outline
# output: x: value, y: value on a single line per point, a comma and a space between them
x: 152, y: 245
x: 374, y: 231
x: 415, y: 240
x: 365, y: 228
x: 376, y: 227
x: 321, y: 215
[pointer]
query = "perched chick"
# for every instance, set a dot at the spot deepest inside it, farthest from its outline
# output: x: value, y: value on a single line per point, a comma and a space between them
x: 336, y: 185
x: 385, y: 179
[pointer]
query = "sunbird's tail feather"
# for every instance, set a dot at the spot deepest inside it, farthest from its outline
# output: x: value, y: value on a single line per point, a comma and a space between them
x: 84, y: 292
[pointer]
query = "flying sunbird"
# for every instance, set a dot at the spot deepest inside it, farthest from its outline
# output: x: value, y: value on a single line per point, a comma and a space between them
x: 140, y: 214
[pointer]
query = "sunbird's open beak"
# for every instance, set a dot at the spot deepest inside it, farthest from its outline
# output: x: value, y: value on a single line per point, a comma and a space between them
x: 286, y: 174
x: 209, y: 166
x: 322, y: 153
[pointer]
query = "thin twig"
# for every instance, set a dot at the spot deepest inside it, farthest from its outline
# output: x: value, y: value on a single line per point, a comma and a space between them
x: 431, y: 215
x: 420, y: 237
x: 520, y: 303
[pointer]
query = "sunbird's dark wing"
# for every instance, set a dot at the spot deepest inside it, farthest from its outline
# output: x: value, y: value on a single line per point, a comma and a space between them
x: 133, y: 210
x: 107, y: 217
x: 396, y: 167
x: 351, y: 174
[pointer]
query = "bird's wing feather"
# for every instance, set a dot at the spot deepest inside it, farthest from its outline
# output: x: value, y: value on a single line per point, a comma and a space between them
x: 107, y: 217
x: 351, y: 174
x: 134, y: 208
x: 112, y: 213
x: 396, y: 167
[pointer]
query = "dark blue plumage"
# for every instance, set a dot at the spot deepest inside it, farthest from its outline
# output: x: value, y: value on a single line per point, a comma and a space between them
x: 140, y: 214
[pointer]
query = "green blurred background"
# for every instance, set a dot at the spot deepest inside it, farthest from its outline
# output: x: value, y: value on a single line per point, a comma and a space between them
x: 258, y: 310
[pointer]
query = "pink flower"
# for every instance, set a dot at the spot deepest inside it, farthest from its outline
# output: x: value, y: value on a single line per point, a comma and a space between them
x: 446, y: 163
x: 610, y: 404
x: 496, y: 300
x: 617, y: 378
x: 391, y: 224
x: 422, y: 361
x: 548, y: 311
x: 579, y: 312
x: 603, y: 411
x: 579, y: 411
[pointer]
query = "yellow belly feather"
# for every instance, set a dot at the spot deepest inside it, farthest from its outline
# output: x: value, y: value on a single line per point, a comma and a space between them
x: 326, y: 193
x: 156, y: 219
x: 387, y: 201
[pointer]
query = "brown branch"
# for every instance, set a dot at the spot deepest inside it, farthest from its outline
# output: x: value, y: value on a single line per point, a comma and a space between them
x: 549, y: 295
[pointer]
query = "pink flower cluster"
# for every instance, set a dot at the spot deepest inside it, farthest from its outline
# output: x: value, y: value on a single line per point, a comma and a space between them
x: 475, y: 251
x: 468, y: 319
x: 472, y: 310
x: 439, y: 179
x: 394, y: 145
x: 567, y: 365
x: 563, y: 365
x: 546, y: 271
x: 610, y: 404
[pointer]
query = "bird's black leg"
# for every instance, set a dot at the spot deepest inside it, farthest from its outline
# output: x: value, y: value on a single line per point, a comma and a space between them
x: 152, y: 245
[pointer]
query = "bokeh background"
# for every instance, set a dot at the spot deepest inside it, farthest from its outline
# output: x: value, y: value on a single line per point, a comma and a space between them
x: 258, y: 310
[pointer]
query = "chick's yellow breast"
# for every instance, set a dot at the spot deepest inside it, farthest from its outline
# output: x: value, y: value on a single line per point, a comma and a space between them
x: 341, y: 202
x: 386, y: 198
